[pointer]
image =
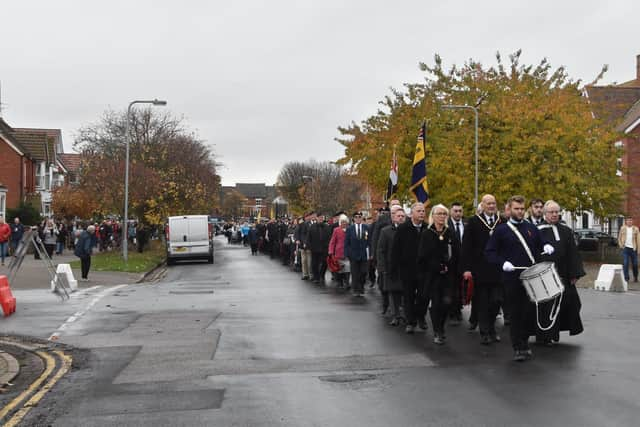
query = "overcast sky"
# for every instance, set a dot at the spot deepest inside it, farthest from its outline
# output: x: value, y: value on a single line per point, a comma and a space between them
x: 266, y: 82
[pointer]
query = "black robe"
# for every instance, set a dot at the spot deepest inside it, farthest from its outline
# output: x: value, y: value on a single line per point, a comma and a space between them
x: 569, y: 266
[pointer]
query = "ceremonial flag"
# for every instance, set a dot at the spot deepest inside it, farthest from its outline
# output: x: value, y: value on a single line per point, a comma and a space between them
x: 419, y: 186
x: 392, y: 185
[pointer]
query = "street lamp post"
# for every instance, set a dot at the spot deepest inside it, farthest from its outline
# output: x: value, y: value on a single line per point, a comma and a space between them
x: 475, y: 110
x: 125, y: 229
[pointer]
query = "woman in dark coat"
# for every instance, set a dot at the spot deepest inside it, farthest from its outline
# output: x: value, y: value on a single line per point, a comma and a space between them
x: 569, y: 267
x: 437, y: 259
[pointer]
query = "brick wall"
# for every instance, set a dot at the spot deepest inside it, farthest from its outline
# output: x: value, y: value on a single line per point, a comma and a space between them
x: 631, y: 162
x: 29, y: 170
x: 265, y: 210
x: 10, y: 171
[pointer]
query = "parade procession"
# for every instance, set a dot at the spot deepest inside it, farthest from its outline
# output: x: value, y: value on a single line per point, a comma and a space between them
x: 327, y: 213
x: 516, y: 269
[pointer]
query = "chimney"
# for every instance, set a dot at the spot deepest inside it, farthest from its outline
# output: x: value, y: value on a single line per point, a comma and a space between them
x: 638, y: 67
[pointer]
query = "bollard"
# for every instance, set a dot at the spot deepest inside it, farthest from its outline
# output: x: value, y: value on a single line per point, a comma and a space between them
x: 610, y: 277
x: 66, y: 270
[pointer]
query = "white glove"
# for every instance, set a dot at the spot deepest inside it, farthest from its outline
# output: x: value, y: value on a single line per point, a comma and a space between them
x: 507, y: 266
x: 548, y: 249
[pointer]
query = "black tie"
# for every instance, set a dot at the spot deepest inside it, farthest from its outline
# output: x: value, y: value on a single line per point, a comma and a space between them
x: 490, y: 221
x: 458, y: 232
x: 359, y: 233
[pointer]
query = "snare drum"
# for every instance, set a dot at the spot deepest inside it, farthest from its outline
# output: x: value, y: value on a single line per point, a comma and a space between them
x: 542, y: 283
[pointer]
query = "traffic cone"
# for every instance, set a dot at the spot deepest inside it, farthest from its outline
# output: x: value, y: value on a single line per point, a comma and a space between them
x: 7, y: 301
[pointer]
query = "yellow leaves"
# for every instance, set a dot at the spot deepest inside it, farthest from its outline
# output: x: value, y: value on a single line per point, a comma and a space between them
x: 536, y: 137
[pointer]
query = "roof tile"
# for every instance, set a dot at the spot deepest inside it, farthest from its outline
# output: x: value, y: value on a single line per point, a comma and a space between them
x: 71, y: 161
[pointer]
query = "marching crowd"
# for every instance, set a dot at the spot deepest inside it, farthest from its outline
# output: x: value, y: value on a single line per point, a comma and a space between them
x: 436, y: 263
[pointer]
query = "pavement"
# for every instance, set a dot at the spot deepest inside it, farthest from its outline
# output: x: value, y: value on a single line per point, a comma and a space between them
x: 9, y: 368
x: 31, y: 288
x: 592, y: 269
x: 33, y: 274
x: 245, y: 342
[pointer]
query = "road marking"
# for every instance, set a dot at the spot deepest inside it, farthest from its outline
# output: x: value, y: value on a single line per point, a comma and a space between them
x: 50, y: 365
x: 85, y: 291
x: 64, y: 368
x: 77, y: 315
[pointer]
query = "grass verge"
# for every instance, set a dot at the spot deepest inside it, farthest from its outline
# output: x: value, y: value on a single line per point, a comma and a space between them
x: 154, y: 254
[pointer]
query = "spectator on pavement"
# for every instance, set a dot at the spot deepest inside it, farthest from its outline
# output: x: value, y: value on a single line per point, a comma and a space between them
x: 629, y: 242
x: 5, y: 235
x: 141, y: 237
x: 83, y: 250
x: 62, y: 238
x: 49, y: 236
x: 17, y: 231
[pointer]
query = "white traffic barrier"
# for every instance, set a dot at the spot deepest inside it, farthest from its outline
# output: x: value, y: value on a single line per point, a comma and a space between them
x: 65, y: 269
x: 610, y: 277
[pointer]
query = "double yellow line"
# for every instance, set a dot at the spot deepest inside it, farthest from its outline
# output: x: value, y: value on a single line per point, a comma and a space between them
x: 36, y: 388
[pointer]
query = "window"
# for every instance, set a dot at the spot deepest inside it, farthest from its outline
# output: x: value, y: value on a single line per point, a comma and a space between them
x: 585, y: 220
x: 3, y: 204
x: 47, y: 177
x: 40, y: 175
x: 46, y: 211
x: 258, y: 203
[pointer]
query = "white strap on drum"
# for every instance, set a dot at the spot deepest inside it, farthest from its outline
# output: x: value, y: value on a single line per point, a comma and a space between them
x: 555, y: 310
x: 524, y: 243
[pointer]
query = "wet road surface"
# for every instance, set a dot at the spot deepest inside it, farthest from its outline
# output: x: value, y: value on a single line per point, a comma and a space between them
x: 245, y: 342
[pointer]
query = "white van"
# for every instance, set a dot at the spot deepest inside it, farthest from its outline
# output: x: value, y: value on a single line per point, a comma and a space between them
x: 189, y: 237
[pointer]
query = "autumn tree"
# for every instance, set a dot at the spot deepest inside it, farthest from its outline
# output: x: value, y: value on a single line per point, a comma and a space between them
x: 321, y: 186
x: 233, y: 203
x: 171, y: 171
x: 71, y: 201
x: 537, y: 136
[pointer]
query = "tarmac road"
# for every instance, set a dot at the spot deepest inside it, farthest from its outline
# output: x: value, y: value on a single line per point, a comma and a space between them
x: 245, y: 342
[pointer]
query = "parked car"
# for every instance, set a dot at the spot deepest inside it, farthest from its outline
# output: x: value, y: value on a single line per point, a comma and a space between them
x: 588, y: 240
x: 189, y: 237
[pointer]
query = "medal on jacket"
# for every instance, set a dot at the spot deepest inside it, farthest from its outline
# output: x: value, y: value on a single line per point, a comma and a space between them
x: 440, y: 235
x: 491, y: 228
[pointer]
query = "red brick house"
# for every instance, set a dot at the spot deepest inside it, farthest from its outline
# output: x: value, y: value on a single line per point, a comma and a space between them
x: 260, y: 199
x: 17, y: 167
x: 44, y: 145
x: 620, y: 105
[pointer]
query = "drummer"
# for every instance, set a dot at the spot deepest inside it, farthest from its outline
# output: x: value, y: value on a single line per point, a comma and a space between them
x: 506, y: 250
x: 569, y: 266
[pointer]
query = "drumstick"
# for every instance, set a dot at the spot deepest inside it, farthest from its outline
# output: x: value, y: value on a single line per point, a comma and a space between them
x: 520, y: 268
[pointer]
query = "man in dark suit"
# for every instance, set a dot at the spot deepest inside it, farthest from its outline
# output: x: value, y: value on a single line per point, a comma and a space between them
x: 301, y: 237
x: 457, y: 225
x: 356, y: 248
x: 318, y: 242
x: 404, y: 264
x: 488, y: 290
